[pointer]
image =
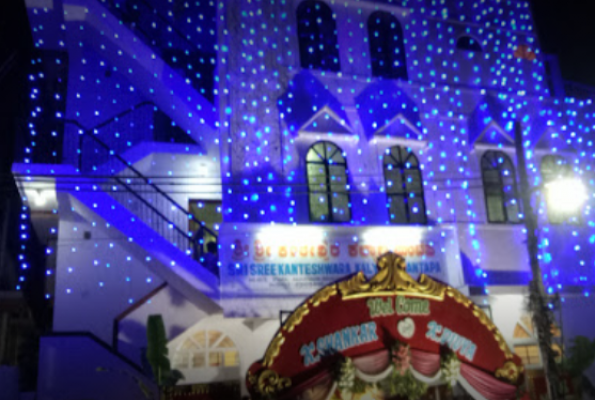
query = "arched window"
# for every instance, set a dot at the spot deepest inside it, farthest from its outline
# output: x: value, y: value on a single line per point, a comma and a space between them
x: 327, y: 183
x: 468, y: 43
x: 404, y: 187
x: 387, y: 50
x: 206, y: 349
x: 317, y: 34
x: 555, y: 167
x: 526, y: 345
x: 500, y: 187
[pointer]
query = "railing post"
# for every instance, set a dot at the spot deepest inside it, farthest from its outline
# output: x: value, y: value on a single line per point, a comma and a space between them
x: 151, y: 202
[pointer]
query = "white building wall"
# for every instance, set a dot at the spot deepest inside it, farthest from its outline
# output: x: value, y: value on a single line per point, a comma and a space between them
x: 178, y: 315
x: 97, y: 278
x: 100, y: 277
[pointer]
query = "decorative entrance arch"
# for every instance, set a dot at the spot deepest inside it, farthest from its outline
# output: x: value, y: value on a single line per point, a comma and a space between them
x: 376, y: 337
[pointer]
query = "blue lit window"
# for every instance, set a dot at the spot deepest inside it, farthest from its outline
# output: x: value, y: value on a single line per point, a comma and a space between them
x: 469, y: 44
x: 500, y: 188
x: 327, y: 183
x: 555, y: 167
x: 387, y: 50
x: 404, y: 187
x: 317, y: 33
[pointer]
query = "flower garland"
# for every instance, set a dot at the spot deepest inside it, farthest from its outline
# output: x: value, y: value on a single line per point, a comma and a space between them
x: 347, y: 383
x: 402, y: 382
x: 401, y: 357
x: 345, y: 374
x: 450, y: 366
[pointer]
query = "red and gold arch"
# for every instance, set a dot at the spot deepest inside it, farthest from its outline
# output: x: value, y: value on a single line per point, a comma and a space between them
x: 382, y: 337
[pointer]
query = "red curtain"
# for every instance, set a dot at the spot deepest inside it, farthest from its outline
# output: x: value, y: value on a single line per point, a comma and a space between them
x: 374, y: 363
x: 425, y: 363
x: 488, y: 386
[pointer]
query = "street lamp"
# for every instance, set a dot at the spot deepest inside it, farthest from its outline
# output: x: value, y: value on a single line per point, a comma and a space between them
x: 566, y: 195
x: 563, y: 194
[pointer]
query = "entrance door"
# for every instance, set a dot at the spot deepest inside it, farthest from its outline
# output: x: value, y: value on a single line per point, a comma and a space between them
x: 208, y: 212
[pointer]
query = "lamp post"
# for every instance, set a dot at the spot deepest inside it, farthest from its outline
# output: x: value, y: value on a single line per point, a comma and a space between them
x: 542, y: 315
x: 566, y: 195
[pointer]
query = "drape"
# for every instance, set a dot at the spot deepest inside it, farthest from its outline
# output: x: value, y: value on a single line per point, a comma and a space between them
x: 488, y: 386
x: 425, y: 363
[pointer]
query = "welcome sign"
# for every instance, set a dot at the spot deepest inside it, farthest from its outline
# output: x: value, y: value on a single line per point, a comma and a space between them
x: 268, y: 268
x: 380, y: 329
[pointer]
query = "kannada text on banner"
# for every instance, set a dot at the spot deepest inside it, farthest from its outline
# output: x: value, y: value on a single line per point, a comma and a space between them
x: 260, y: 261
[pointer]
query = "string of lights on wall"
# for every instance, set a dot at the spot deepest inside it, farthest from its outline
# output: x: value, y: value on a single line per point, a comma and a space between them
x: 473, y: 68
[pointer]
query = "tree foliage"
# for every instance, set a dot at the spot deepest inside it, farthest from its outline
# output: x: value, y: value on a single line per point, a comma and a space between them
x: 157, y: 353
x: 580, y: 356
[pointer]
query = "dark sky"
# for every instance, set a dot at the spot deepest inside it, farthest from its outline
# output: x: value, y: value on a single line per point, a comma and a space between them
x: 567, y: 28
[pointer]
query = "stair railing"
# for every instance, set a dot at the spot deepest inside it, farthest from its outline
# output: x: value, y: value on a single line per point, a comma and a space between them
x: 137, y: 192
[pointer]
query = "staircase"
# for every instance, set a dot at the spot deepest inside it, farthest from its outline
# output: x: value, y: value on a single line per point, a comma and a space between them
x: 133, y: 38
x: 175, y: 266
x: 131, y: 188
x: 175, y: 70
x: 117, y: 191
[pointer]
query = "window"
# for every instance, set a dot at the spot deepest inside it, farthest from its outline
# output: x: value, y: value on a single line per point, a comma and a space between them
x: 317, y: 34
x: 386, y: 46
x: 529, y: 354
x: 526, y: 345
x: 555, y: 167
x: 206, y: 349
x: 468, y: 43
x: 500, y: 187
x: 404, y: 187
x: 327, y: 183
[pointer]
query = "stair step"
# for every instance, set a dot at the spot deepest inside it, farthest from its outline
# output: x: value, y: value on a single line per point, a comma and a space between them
x: 179, y: 270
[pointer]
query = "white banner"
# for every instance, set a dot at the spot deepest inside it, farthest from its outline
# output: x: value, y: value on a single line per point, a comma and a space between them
x: 269, y: 268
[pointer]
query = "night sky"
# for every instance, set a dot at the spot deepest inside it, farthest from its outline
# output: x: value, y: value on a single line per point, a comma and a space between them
x: 566, y: 28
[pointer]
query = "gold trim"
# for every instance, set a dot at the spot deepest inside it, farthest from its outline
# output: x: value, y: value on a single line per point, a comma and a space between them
x: 251, y: 378
x: 273, y: 349
x: 482, y: 317
x: 269, y: 383
x: 294, y: 320
x: 323, y: 295
x: 296, y: 317
x: 392, y: 278
x: 509, y: 371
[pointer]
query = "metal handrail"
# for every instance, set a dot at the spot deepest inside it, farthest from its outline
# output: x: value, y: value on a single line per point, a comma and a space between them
x: 89, y: 133
x: 123, y: 113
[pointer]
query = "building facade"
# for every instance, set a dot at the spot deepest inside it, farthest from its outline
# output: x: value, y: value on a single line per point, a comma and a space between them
x: 305, y: 138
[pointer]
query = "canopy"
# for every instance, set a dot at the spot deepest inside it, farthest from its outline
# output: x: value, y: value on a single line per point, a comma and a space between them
x: 367, y: 331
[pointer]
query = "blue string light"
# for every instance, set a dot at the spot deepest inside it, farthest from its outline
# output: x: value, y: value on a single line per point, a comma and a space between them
x: 472, y: 70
